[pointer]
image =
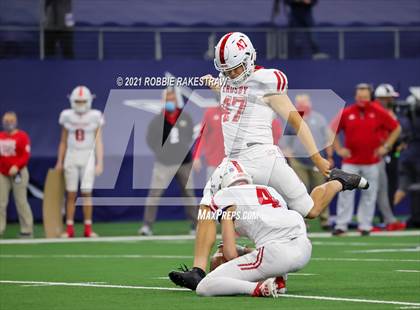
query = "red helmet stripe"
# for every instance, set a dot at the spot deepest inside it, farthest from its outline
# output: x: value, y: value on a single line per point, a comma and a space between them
x: 222, y: 48
x: 237, y: 166
x: 80, y: 91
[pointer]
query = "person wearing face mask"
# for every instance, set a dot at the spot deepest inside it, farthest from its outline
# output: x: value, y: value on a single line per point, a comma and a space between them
x: 169, y: 147
x: 295, y: 150
x: 15, y: 148
x: 362, y: 152
x: 385, y: 96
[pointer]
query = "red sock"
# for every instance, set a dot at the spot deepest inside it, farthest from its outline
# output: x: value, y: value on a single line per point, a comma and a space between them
x: 88, y: 230
x: 257, y: 291
x: 70, y: 230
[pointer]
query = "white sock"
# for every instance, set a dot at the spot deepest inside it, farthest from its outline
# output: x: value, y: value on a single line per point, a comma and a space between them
x: 88, y: 222
x: 223, y: 286
x: 69, y: 222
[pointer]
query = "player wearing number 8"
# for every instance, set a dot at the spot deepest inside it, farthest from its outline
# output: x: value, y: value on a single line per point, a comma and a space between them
x: 80, y: 154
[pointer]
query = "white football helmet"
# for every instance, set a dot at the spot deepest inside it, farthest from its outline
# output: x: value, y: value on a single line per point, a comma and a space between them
x: 386, y: 90
x: 233, y: 50
x: 81, y: 99
x: 228, y: 174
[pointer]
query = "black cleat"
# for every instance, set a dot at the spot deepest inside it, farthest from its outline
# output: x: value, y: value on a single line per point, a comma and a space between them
x: 338, y: 232
x: 348, y: 180
x: 364, y: 233
x: 186, y: 277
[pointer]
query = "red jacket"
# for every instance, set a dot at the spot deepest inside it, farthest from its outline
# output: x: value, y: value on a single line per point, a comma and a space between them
x: 210, y: 142
x: 15, y: 150
x: 383, y: 133
x: 362, y: 128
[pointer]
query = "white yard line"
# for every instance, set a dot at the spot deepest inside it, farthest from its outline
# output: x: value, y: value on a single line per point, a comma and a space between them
x: 414, y: 271
x: 96, y: 256
x: 351, y: 259
x: 151, y: 256
x: 99, y: 239
x: 363, y: 244
x: 184, y: 237
x: 289, y: 274
x: 357, y: 300
x: 397, y: 250
x: 376, y: 234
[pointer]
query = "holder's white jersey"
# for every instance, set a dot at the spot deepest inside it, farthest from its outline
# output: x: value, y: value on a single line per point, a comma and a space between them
x: 261, y: 213
x: 81, y: 128
x: 246, y: 117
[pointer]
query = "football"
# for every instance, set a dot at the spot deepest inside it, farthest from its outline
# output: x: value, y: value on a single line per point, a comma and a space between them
x: 217, y: 259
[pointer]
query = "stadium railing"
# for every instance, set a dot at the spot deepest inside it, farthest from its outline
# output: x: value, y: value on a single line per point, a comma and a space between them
x: 271, y: 43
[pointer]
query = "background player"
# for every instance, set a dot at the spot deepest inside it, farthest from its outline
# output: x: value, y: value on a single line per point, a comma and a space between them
x: 250, y: 97
x: 81, y: 142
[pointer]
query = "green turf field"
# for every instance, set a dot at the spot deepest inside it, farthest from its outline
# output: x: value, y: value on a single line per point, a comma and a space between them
x: 118, y: 274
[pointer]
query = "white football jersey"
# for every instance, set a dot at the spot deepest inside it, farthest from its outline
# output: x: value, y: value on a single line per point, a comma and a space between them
x: 81, y: 128
x: 246, y: 117
x: 262, y: 214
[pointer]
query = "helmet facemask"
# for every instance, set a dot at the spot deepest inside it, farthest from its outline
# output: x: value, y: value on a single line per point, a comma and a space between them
x: 248, y: 66
x: 81, y: 99
x: 80, y: 106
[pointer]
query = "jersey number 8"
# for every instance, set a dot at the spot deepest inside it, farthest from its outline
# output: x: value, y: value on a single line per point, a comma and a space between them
x: 80, y: 134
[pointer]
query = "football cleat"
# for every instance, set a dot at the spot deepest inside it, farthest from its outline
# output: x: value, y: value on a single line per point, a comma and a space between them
x: 349, y: 181
x: 267, y: 288
x: 395, y: 226
x: 338, y: 232
x: 90, y: 234
x: 145, y: 231
x: 281, y: 284
x: 69, y: 233
x: 188, y: 278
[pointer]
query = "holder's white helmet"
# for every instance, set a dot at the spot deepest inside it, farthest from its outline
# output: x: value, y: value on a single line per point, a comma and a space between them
x: 386, y: 90
x: 81, y: 99
x: 233, y: 50
x: 228, y: 174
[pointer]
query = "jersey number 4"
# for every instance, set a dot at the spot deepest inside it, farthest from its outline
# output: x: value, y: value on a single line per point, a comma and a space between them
x: 265, y: 198
x: 227, y: 104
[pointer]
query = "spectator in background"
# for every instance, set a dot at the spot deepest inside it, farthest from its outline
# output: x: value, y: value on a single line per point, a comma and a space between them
x: 409, y: 164
x: 210, y: 143
x: 295, y: 151
x: 59, y: 25
x: 362, y: 152
x: 300, y: 16
x: 385, y: 96
x: 176, y: 138
x: 15, y: 151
